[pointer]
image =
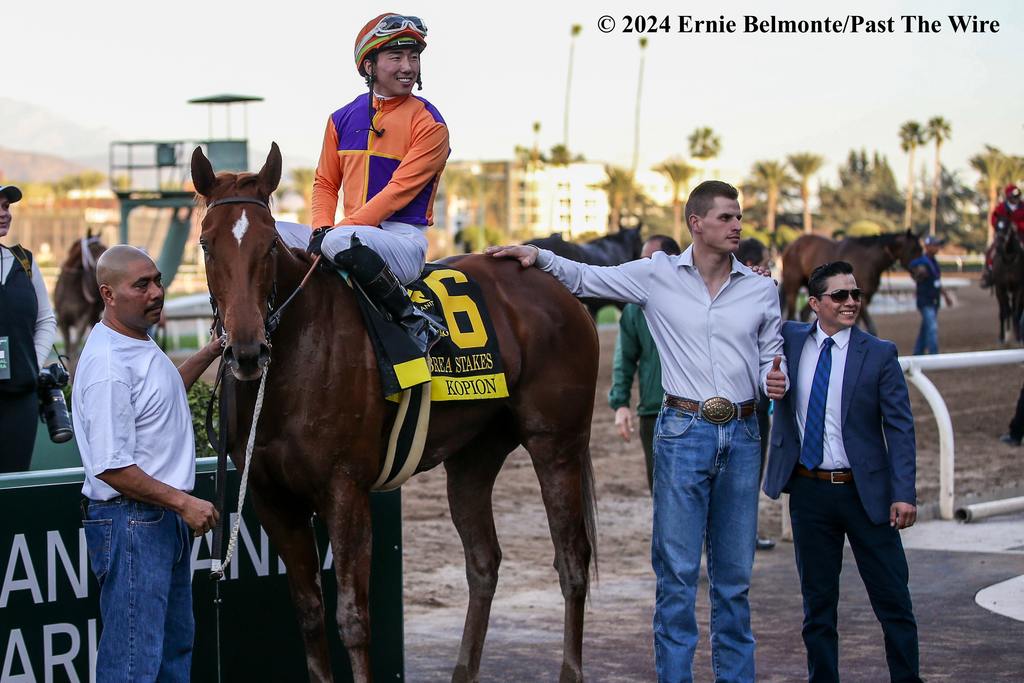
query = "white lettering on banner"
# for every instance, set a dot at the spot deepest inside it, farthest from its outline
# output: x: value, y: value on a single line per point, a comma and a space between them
x: 328, y: 558
x: 16, y: 647
x: 198, y: 564
x: 55, y: 548
x: 19, y: 550
x: 65, y: 659
x: 262, y: 567
x: 58, y: 662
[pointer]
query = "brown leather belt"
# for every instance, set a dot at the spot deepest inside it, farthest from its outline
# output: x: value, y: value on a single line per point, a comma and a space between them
x: 715, y: 410
x: 831, y: 476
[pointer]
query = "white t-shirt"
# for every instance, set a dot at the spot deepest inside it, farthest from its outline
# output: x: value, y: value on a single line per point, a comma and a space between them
x: 129, y: 408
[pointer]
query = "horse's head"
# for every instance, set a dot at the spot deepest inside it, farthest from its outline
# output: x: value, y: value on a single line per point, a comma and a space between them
x: 239, y: 242
x: 906, y: 247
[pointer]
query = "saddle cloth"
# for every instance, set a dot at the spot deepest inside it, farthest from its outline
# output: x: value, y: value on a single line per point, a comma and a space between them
x: 465, y: 364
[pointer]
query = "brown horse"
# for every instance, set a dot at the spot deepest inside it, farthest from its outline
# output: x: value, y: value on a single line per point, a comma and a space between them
x: 869, y: 256
x: 76, y: 297
x: 321, y: 443
x: 1008, y: 280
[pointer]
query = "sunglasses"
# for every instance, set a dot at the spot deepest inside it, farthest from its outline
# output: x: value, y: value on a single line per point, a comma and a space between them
x: 841, y: 295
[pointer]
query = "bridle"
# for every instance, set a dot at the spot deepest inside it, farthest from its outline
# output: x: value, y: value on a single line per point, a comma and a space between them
x: 274, y: 315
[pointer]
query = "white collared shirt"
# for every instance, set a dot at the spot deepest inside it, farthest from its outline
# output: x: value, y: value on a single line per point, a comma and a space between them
x: 835, y: 451
x: 721, y: 346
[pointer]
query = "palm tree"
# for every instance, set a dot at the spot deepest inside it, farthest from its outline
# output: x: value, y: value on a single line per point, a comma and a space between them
x: 806, y: 165
x: 636, y: 123
x: 679, y: 174
x: 704, y: 146
x: 575, y: 31
x: 302, y: 180
x: 995, y: 169
x: 560, y: 156
x: 773, y: 177
x: 619, y: 188
x: 939, y: 130
x: 911, y: 136
x: 536, y: 145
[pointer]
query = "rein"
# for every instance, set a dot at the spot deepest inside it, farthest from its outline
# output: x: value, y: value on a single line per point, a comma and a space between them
x: 274, y: 319
x: 219, y: 438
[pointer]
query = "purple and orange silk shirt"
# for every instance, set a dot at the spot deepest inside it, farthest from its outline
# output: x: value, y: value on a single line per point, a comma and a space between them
x: 392, y: 177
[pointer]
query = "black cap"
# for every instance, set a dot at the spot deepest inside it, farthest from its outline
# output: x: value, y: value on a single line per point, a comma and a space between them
x: 12, y: 193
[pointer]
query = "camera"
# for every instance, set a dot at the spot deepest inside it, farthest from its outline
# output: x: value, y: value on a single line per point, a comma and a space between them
x: 53, y: 409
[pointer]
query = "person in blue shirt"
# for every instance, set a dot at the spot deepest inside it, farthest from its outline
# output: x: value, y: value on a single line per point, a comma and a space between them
x: 926, y: 273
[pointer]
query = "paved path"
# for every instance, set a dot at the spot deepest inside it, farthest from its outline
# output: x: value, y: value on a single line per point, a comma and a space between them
x: 961, y: 641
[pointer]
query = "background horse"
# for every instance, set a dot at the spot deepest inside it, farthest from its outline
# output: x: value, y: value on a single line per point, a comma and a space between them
x: 1008, y: 279
x: 869, y: 256
x: 76, y: 298
x: 322, y: 439
x: 610, y: 250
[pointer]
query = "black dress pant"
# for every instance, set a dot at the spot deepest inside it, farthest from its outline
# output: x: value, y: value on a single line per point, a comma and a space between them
x: 19, y: 419
x: 823, y: 515
x: 1017, y: 423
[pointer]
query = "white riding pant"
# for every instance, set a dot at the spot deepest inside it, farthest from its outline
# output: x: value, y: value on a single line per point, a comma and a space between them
x: 402, y: 246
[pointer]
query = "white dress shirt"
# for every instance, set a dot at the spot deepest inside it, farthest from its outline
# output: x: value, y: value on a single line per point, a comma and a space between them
x: 835, y: 451
x: 721, y: 346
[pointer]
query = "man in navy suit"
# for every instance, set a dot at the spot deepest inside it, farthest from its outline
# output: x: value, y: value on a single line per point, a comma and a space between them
x: 843, y: 447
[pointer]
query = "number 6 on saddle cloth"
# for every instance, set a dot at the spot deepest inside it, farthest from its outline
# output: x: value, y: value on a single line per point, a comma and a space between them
x: 463, y: 364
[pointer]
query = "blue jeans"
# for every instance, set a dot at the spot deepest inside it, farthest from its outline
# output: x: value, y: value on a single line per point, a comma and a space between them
x: 141, y: 556
x: 705, y: 491
x: 928, y: 336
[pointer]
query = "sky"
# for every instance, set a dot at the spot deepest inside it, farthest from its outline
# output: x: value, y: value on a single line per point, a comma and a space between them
x: 494, y: 69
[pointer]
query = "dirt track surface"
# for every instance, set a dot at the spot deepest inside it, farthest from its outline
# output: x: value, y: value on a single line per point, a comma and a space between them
x: 959, y: 641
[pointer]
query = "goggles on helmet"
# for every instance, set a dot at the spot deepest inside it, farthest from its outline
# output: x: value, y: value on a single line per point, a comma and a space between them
x: 391, y: 24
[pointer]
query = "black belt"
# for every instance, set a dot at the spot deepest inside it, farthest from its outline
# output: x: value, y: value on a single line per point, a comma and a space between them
x: 715, y: 410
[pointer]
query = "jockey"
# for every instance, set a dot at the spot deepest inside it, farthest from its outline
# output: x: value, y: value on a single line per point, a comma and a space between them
x: 384, y: 151
x: 1009, y: 213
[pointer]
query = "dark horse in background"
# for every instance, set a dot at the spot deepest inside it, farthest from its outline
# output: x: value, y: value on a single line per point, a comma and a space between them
x: 76, y: 298
x: 1008, y: 279
x: 322, y: 439
x: 610, y: 250
x: 869, y: 256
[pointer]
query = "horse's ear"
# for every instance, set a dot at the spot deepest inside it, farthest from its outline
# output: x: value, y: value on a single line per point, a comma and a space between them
x: 203, y: 177
x: 88, y: 233
x: 270, y: 174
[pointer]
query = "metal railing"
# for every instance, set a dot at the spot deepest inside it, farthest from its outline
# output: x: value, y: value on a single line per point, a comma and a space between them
x: 914, y: 367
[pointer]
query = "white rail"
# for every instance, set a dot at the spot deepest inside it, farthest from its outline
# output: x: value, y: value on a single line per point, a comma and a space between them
x: 914, y: 367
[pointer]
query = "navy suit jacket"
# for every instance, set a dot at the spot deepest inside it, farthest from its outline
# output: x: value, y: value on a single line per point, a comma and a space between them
x: 878, y: 427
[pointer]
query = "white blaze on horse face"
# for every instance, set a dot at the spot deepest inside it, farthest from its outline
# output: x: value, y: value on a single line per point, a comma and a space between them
x: 241, y: 225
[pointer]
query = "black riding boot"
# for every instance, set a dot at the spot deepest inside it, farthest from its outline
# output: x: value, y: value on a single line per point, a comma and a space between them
x: 375, y: 278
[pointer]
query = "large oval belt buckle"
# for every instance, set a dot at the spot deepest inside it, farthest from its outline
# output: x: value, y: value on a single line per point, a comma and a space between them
x: 718, y: 410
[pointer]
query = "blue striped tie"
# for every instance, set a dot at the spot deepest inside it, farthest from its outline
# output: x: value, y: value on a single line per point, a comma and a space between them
x: 812, y: 452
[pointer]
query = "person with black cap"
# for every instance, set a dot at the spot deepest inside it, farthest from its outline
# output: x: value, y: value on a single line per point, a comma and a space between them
x: 926, y: 273
x: 27, y: 329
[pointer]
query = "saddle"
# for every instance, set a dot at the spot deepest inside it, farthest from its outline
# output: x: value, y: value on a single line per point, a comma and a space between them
x: 465, y: 363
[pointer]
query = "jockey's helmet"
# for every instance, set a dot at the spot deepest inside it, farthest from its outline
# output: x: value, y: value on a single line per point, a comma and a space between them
x: 389, y: 31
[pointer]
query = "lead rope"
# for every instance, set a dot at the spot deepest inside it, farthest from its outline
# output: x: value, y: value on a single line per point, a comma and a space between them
x: 217, y: 568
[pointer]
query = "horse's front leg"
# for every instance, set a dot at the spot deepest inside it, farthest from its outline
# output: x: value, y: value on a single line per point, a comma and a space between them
x: 866, y: 317
x: 349, y: 526
x: 289, y: 525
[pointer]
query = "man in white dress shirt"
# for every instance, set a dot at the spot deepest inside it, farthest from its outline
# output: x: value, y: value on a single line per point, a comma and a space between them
x: 716, y: 325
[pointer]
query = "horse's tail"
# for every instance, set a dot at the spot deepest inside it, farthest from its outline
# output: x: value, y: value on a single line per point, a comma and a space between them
x: 589, y: 508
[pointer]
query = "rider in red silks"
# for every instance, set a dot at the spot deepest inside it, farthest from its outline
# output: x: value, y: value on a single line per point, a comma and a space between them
x: 1009, y: 213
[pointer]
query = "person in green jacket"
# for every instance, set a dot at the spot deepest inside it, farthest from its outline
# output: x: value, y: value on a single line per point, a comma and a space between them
x: 635, y: 353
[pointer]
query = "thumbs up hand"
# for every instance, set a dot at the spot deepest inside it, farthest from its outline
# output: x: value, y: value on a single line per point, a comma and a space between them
x: 776, y: 380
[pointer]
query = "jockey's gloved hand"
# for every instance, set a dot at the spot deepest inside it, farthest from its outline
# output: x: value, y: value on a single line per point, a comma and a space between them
x: 316, y: 240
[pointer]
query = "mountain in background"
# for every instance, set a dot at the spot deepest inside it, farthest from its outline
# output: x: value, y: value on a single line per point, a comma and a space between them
x: 32, y: 167
x: 31, y: 128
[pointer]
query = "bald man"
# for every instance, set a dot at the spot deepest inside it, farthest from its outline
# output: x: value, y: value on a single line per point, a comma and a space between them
x: 134, y: 431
